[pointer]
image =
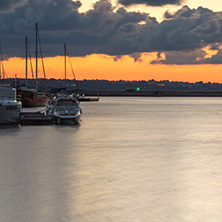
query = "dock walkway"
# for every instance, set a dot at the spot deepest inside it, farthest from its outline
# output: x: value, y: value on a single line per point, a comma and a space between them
x: 34, y: 118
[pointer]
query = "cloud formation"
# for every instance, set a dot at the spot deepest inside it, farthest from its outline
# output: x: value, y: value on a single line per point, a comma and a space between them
x: 151, y: 2
x: 209, y: 55
x: 107, y: 30
x: 180, y: 57
x: 11, y: 5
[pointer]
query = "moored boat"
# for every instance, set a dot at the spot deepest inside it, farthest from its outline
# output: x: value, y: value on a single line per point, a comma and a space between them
x: 64, y: 108
x: 10, y: 108
x: 31, y: 97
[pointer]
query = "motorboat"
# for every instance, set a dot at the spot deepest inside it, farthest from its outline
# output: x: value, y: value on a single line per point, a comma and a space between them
x: 10, y: 108
x: 64, y: 108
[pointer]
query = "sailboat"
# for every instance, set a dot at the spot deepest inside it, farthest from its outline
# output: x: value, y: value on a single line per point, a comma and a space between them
x: 31, y: 97
x: 80, y: 98
x: 2, y: 69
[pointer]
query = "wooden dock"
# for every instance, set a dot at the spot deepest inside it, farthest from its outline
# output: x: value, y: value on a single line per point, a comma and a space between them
x: 34, y: 118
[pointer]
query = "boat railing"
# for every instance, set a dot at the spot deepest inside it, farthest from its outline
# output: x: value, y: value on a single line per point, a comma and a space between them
x: 2, y: 99
x: 18, y: 97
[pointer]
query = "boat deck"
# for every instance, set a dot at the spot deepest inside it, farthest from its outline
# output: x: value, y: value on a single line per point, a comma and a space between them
x: 34, y: 118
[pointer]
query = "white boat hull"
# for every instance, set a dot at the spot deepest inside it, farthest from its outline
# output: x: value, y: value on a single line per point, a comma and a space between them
x: 66, y: 119
x: 64, y: 109
x: 10, y: 113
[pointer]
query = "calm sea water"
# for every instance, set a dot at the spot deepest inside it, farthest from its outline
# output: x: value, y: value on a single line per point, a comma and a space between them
x: 130, y: 160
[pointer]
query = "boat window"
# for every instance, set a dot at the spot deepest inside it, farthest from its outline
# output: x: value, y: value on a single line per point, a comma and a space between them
x: 66, y: 103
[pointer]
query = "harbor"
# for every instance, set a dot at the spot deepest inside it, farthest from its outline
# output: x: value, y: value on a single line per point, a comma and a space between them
x: 28, y: 118
x: 129, y: 154
x: 110, y: 111
x: 60, y: 108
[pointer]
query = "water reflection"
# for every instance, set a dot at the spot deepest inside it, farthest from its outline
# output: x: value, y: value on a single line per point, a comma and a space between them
x: 132, y: 159
x: 9, y: 127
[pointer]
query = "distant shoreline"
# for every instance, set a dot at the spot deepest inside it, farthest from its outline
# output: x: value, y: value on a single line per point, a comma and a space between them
x: 155, y: 93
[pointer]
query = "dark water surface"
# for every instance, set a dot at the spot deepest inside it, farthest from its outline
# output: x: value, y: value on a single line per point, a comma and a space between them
x: 131, y: 159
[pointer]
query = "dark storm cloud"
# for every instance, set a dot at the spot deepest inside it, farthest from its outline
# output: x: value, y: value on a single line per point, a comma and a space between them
x: 215, y: 59
x: 181, y: 57
x: 11, y: 5
x: 151, y: 2
x: 104, y: 29
x: 189, y: 57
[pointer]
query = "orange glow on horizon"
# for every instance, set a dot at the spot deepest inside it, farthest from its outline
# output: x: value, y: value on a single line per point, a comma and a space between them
x: 103, y: 67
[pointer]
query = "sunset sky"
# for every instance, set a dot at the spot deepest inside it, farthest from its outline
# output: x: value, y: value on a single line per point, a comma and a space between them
x: 172, y: 40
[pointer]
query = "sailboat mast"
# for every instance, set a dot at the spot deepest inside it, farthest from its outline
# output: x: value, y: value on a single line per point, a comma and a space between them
x: 0, y: 65
x: 2, y: 71
x: 26, y: 61
x: 36, y: 55
x: 1, y: 60
x: 65, y: 58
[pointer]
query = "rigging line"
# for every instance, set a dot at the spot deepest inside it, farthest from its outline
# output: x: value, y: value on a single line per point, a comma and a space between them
x: 30, y: 59
x: 1, y: 62
x: 73, y: 73
x: 4, y: 75
x: 4, y: 72
x: 31, y: 40
x: 43, y: 67
x: 0, y: 69
x: 19, y: 69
